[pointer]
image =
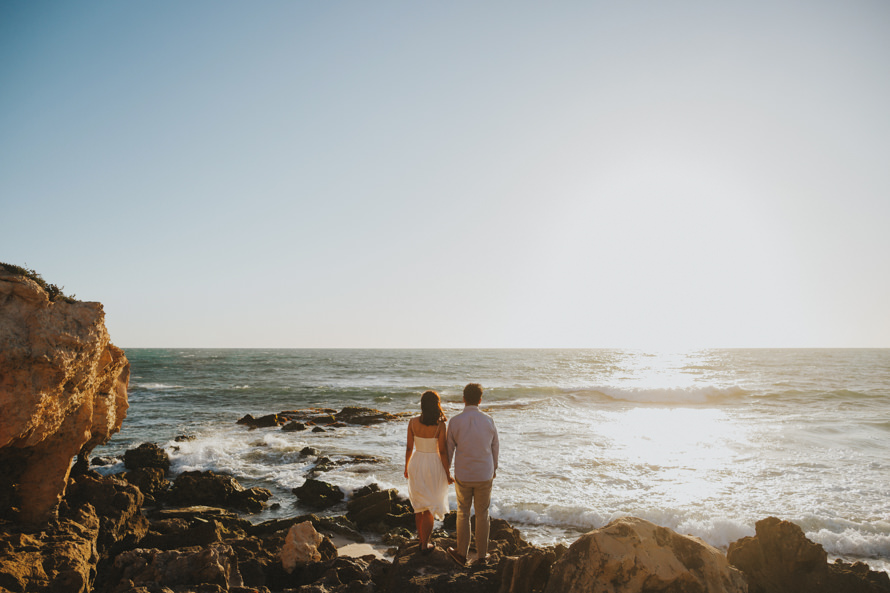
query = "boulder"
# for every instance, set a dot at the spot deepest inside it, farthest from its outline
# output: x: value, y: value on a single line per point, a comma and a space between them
x: 212, y: 489
x: 150, y: 481
x: 527, y: 573
x: 779, y: 558
x: 371, y: 507
x: 318, y: 494
x: 267, y: 421
x: 632, y: 554
x: 214, y: 564
x: 300, y: 546
x: 293, y: 426
x: 147, y: 455
x: 118, y: 505
x: 63, y: 391
x: 363, y: 416
x: 414, y: 572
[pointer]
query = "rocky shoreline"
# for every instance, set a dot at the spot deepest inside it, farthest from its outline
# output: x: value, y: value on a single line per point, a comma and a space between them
x: 64, y: 528
x: 142, y: 532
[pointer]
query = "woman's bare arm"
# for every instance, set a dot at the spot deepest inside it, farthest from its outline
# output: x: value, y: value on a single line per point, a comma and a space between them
x: 443, y: 454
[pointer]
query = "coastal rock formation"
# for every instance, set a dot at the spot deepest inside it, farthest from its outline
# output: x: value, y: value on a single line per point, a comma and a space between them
x: 300, y: 546
x: 212, y: 489
x: 63, y: 391
x: 147, y: 455
x: 296, y: 420
x: 318, y: 494
x: 780, y: 559
x: 215, y: 564
x: 631, y: 554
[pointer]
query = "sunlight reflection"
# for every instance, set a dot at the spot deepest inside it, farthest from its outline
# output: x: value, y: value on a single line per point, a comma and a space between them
x: 690, y: 450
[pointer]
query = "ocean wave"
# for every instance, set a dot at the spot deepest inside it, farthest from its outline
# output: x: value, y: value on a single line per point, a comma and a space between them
x: 154, y: 386
x: 852, y: 542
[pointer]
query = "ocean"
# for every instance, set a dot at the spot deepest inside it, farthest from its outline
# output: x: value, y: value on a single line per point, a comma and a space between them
x: 704, y: 442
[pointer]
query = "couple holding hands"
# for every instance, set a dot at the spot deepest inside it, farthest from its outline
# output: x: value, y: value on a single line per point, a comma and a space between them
x: 471, y: 440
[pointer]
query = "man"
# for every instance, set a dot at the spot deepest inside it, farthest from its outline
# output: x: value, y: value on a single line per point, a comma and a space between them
x: 472, y: 442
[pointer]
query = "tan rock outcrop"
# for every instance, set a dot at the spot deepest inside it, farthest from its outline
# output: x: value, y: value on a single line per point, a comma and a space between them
x: 300, y: 546
x: 634, y: 555
x: 63, y: 391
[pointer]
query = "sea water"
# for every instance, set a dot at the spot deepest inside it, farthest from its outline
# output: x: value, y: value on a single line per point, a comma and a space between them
x: 705, y: 442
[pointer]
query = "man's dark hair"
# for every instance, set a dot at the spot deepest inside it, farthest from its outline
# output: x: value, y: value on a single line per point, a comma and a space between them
x: 473, y: 394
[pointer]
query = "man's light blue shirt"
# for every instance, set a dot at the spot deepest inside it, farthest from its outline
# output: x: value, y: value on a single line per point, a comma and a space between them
x: 472, y: 442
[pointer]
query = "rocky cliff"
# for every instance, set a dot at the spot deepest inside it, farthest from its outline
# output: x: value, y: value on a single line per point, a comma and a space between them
x: 63, y: 391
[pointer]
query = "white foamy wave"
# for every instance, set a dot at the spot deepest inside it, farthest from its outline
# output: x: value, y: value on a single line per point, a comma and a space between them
x: 852, y: 542
x: 154, y: 386
x: 667, y: 395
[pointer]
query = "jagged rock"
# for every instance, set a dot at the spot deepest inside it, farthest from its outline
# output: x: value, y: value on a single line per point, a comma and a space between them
x: 147, y: 455
x: 632, y: 554
x: 309, y: 452
x: 318, y: 494
x: 527, y: 573
x: 61, y: 557
x: 267, y: 421
x: 63, y: 391
x: 413, y: 572
x: 779, y: 558
x: 184, y: 438
x: 150, y: 481
x: 325, y: 464
x: 104, y: 460
x: 364, y: 416
x: 300, y: 546
x: 118, y: 505
x: 215, y: 564
x: 211, y: 489
x: 371, y: 507
x: 293, y: 426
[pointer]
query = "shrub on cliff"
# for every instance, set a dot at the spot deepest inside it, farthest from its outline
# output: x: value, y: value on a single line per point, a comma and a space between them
x: 53, y: 292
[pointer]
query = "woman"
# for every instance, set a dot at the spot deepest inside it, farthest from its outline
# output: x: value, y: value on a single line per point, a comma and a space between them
x: 427, y: 468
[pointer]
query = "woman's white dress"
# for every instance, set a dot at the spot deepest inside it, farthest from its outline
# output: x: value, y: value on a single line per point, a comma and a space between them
x: 427, y: 481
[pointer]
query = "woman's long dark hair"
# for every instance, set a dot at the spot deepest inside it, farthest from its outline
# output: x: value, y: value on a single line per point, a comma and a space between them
x: 431, y: 409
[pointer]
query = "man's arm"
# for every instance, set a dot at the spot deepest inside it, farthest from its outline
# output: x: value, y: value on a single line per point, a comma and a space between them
x: 450, y: 443
x: 495, y: 448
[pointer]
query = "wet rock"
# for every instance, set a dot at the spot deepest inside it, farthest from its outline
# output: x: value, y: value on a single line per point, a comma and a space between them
x: 211, y: 489
x: 184, y: 438
x: 215, y: 564
x: 318, y: 494
x: 293, y: 426
x: 364, y: 416
x: 779, y: 558
x: 632, y: 554
x: 309, y: 452
x: 103, y: 460
x: 267, y: 421
x: 147, y: 455
x: 325, y: 464
x: 318, y: 429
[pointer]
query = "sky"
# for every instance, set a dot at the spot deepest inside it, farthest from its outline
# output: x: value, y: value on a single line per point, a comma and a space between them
x: 657, y: 175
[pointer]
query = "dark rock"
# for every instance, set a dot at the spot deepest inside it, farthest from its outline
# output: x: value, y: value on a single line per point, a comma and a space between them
x: 527, y: 573
x: 194, y: 567
x: 147, y: 455
x: 150, y: 481
x: 60, y: 557
x: 293, y: 426
x: 363, y: 416
x: 318, y: 429
x: 413, y: 572
x: 309, y: 452
x: 185, y: 438
x: 211, y: 489
x: 779, y: 558
x: 118, y: 505
x: 267, y: 421
x: 371, y: 508
x: 365, y: 490
x: 318, y: 494
x: 325, y: 464
x: 104, y: 460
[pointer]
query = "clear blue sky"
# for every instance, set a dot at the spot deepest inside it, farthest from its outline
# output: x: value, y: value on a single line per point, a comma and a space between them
x: 454, y: 174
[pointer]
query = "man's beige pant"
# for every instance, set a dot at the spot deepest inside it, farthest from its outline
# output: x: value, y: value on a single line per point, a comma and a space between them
x: 477, y: 494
